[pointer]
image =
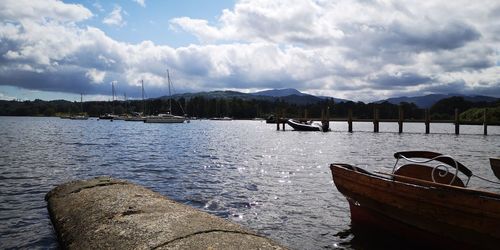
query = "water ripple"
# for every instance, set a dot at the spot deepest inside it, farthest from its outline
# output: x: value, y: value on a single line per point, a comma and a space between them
x: 276, y: 183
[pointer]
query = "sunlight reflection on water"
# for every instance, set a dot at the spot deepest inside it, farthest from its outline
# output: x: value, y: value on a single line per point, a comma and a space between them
x: 276, y: 183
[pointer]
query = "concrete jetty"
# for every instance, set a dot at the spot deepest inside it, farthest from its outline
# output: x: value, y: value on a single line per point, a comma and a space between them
x: 107, y: 213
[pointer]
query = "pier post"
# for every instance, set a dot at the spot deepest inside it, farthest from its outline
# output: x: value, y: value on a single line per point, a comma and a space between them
x: 400, y: 119
x: 326, y: 124
x: 427, y: 121
x: 284, y: 120
x: 277, y: 118
x: 349, y: 119
x: 485, y: 122
x: 375, y: 120
x: 457, y: 125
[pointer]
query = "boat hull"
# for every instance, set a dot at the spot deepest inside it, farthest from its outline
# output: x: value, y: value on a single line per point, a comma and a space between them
x: 301, y: 126
x: 135, y: 119
x: 438, y: 214
x: 164, y: 120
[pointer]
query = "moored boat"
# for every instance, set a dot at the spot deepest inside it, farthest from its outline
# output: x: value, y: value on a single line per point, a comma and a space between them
x: 225, y: 118
x: 164, y: 118
x: 168, y: 117
x: 82, y: 115
x: 135, y: 117
x: 306, y: 126
x: 107, y: 117
x: 422, y: 203
x: 79, y: 117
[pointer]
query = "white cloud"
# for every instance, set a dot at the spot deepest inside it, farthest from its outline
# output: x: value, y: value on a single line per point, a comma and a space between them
x: 95, y: 76
x: 360, y: 50
x: 114, y: 18
x: 42, y: 10
x: 141, y: 2
x: 98, y: 6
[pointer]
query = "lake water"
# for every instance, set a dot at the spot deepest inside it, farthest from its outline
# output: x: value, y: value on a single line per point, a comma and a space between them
x: 273, y: 182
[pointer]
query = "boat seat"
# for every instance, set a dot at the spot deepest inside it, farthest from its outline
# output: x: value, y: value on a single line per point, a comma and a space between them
x: 424, y: 172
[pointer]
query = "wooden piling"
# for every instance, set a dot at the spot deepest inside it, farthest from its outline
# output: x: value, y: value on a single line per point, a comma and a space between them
x: 401, y: 119
x: 485, y: 122
x: 375, y: 120
x: 326, y: 123
x: 277, y: 118
x: 284, y: 120
x: 457, y: 125
x: 349, y: 119
x: 427, y: 122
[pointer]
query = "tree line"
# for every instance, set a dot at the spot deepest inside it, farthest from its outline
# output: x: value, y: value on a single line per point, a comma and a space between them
x: 203, y: 107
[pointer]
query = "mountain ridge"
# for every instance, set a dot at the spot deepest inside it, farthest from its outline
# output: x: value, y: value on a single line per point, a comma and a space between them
x: 294, y: 96
x: 426, y: 101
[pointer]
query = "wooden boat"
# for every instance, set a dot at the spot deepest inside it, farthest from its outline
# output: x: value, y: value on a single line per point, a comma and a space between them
x: 418, y: 202
x: 305, y: 126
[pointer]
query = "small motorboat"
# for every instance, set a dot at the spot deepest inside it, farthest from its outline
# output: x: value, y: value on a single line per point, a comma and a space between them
x: 422, y: 203
x: 306, y: 126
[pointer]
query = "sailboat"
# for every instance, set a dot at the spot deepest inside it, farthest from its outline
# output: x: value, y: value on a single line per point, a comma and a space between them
x: 168, y: 117
x: 110, y: 116
x: 138, y: 116
x: 82, y: 115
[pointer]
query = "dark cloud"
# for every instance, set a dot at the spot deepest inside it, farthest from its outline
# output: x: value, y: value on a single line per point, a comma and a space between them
x: 73, y: 80
x: 360, y: 49
x: 486, y: 89
x: 456, y: 87
x: 404, y: 79
x: 449, y: 36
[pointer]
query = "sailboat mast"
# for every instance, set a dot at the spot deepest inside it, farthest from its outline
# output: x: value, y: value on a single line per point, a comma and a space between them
x: 169, y: 94
x: 81, y: 102
x: 125, y: 100
x: 143, y: 104
x: 113, y: 93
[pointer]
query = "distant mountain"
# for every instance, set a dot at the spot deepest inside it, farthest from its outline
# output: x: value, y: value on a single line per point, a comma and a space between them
x: 428, y: 100
x: 279, y: 92
x: 289, y: 95
x: 213, y: 95
x: 290, y: 92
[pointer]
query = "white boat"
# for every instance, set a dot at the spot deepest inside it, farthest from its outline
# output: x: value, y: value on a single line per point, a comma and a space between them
x: 165, y: 118
x: 168, y: 117
x: 79, y: 117
x: 225, y: 118
x: 135, y: 117
x: 82, y: 115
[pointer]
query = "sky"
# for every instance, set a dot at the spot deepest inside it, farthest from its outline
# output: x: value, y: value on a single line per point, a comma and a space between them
x: 363, y: 50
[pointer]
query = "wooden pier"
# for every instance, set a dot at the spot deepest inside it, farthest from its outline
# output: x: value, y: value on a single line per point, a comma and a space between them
x: 281, y: 120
